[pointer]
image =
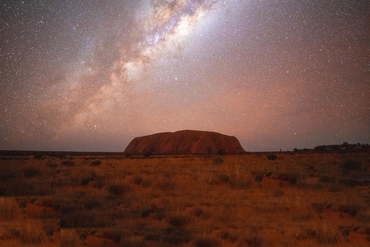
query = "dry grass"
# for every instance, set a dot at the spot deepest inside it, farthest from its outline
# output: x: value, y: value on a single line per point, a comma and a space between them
x: 69, y: 238
x: 244, y: 200
x: 8, y: 209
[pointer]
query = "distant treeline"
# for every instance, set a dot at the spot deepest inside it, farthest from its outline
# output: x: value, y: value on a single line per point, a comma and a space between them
x: 345, y: 146
x: 58, y: 154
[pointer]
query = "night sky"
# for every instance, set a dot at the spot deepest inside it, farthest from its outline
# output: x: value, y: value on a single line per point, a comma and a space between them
x: 91, y: 75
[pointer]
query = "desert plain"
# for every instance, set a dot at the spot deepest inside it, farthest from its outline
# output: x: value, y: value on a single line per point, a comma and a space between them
x: 252, y: 199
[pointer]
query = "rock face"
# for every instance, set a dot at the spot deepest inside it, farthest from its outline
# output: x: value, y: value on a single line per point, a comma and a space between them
x: 184, y: 142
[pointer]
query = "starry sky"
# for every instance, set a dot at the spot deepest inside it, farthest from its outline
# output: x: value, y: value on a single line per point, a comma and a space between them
x: 90, y: 75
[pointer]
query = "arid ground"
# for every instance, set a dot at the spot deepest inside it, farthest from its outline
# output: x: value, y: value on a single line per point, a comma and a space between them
x: 254, y: 199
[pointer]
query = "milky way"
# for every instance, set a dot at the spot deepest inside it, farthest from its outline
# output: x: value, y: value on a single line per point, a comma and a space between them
x: 91, y: 75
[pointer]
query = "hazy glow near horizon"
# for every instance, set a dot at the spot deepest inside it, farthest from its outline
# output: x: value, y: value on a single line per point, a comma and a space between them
x: 91, y: 75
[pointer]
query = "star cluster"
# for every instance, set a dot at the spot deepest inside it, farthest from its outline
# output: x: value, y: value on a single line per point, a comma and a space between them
x: 91, y: 75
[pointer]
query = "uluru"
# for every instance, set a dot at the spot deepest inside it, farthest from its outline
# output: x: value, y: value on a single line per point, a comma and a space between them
x: 184, y: 142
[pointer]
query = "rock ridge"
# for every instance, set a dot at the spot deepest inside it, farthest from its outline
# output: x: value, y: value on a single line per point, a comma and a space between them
x: 184, y: 142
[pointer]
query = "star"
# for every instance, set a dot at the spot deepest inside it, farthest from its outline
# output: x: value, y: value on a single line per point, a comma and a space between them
x: 89, y: 76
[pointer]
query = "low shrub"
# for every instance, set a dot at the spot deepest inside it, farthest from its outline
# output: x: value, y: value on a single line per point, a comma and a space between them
x: 349, y: 182
x: 146, y: 183
x: 324, y: 234
x: 351, y: 209
x: 179, y: 220
x: 8, y: 172
x: 49, y: 231
x: 68, y: 163
x: 152, y: 235
x: 217, y: 160
x: 319, y: 207
x: 175, y: 236
x: 86, y: 219
x: 224, y: 234
x: 86, y: 180
x: 132, y: 243
x: 271, y: 157
x: 290, y: 177
x: 166, y: 184
x: 95, y: 163
x: 31, y: 172
x: 207, y: 242
x: 92, y: 203
x: 278, y: 193
x: 269, y: 174
x: 22, y: 203
x: 251, y: 241
x: 147, y: 211
x: 351, y: 165
x: 239, y: 182
x: 363, y: 217
x: 114, y: 235
x: 99, y: 182
x: 327, y: 179
x: 82, y: 235
x: 118, y: 188
x: 138, y: 180
x: 231, y: 237
x: 52, y: 164
x: 223, y: 178
x: 198, y: 212
x: 345, y: 231
x: 257, y: 176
